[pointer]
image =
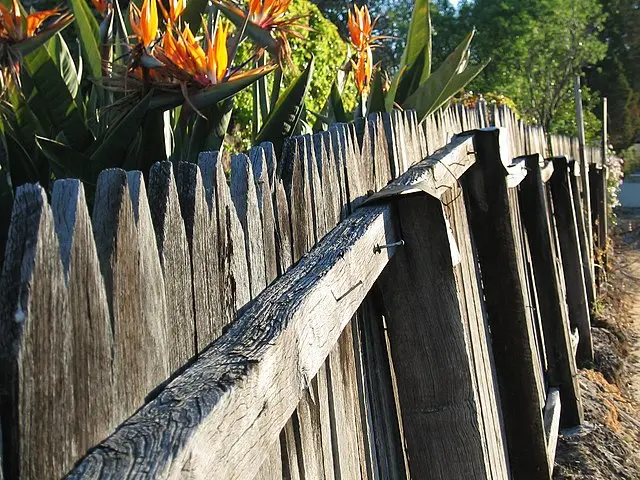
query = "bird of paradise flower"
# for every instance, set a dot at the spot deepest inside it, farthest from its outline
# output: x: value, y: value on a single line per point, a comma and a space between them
x: 22, y: 33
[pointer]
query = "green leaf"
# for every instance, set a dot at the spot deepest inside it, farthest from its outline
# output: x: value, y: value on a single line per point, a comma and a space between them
x: 193, y: 13
x: 284, y: 118
x: 390, y: 99
x: 152, y: 146
x: 410, y: 80
x: 112, y: 147
x: 60, y: 54
x: 376, y: 100
x: 208, y: 96
x: 275, y: 89
x: 87, y: 30
x: 419, y: 39
x: 25, y: 47
x: 65, y: 161
x: 433, y: 92
x: 52, y: 95
x: 459, y: 82
x: 208, y: 133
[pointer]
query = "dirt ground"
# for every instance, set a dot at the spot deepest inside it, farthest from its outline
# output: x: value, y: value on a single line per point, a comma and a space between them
x: 607, y: 446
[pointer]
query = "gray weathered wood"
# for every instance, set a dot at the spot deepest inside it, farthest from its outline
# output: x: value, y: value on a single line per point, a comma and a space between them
x: 130, y: 265
x: 90, y: 324
x: 235, y: 289
x: 552, y: 412
x: 436, y: 174
x: 292, y: 324
x: 37, y: 404
x: 562, y: 368
x: 507, y: 301
x: 265, y: 204
x: 565, y: 218
x: 201, y: 228
x: 175, y: 260
x: 477, y: 331
x: 440, y: 410
x: 245, y: 199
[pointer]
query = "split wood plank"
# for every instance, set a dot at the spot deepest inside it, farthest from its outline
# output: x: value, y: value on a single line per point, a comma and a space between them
x: 90, y: 323
x: 507, y: 300
x: 562, y: 368
x: 565, y: 217
x: 175, y: 260
x: 201, y: 229
x: 314, y: 300
x: 37, y: 405
x: 235, y: 289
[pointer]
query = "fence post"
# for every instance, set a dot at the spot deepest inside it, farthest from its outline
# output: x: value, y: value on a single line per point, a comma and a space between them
x: 598, y: 186
x: 505, y: 284
x: 562, y: 368
x: 565, y: 216
x: 574, y: 173
x: 439, y: 406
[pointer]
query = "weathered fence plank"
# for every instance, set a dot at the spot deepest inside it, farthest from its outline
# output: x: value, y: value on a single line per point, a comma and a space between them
x: 37, y: 406
x: 129, y: 262
x: 175, y: 260
x: 562, y: 368
x: 506, y: 297
x: 440, y: 410
x: 90, y: 324
x: 229, y: 393
x: 201, y: 229
x: 565, y: 218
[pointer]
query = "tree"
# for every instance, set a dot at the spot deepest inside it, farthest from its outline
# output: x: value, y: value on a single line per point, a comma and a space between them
x: 618, y: 75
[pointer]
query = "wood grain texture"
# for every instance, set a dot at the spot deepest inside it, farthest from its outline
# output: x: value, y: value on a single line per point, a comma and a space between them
x: 235, y: 289
x: 507, y: 301
x: 129, y: 262
x: 440, y: 411
x: 201, y: 229
x: 291, y: 325
x: 477, y: 331
x: 37, y: 403
x: 434, y: 175
x: 552, y: 410
x: 245, y: 199
x: 175, y: 260
x: 565, y: 217
x: 562, y: 368
x: 90, y: 323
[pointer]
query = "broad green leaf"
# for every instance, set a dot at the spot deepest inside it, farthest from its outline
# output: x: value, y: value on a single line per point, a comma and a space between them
x: 376, y: 100
x: 66, y: 161
x: 60, y: 54
x: 419, y: 38
x: 25, y: 47
x: 459, y: 82
x: 208, y: 96
x: 431, y: 93
x: 87, y: 31
x: 112, y: 147
x: 390, y: 99
x: 275, y: 89
x: 152, y: 145
x: 284, y: 118
x: 410, y: 79
x: 208, y: 133
x: 22, y: 165
x: 332, y: 111
x: 193, y: 12
x: 52, y: 95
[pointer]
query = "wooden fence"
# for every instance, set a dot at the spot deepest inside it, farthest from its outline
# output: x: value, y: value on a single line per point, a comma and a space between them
x: 387, y: 300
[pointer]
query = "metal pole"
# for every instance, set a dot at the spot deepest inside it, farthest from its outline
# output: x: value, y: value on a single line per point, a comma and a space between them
x: 584, y: 173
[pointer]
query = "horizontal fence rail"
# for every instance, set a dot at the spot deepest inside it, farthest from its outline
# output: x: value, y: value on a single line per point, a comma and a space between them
x: 337, y: 312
